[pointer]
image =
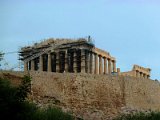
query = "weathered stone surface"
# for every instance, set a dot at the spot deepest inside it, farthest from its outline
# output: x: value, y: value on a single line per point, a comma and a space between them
x: 96, y: 97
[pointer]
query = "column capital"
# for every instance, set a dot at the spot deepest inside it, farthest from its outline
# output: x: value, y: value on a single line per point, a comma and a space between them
x: 100, y: 55
x: 96, y: 54
x: 140, y: 74
x: 148, y: 76
x: 144, y: 75
x: 109, y: 59
x: 113, y: 60
x: 104, y: 57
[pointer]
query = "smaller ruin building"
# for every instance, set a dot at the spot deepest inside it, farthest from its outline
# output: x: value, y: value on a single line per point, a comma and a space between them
x: 67, y: 55
x: 138, y: 71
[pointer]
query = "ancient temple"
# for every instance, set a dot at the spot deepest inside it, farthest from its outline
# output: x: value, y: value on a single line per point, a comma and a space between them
x: 67, y: 55
x: 139, y: 72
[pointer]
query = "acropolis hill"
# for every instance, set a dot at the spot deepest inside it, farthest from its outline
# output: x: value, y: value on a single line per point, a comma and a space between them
x: 84, y: 80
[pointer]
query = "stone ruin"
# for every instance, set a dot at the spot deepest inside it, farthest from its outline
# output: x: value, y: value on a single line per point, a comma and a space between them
x: 73, y: 56
x: 139, y: 72
x: 65, y: 55
x: 102, y: 93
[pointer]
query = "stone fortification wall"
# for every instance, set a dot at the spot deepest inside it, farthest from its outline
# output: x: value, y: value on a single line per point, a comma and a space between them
x: 138, y: 71
x: 88, y: 96
x: 128, y: 73
x: 96, y: 96
x: 142, y: 93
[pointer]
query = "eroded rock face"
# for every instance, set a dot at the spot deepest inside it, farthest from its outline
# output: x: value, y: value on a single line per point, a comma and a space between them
x: 95, y: 96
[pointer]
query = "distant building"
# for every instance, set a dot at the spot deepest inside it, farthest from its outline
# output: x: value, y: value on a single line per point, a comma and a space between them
x: 138, y: 71
x: 66, y: 55
x: 74, y: 56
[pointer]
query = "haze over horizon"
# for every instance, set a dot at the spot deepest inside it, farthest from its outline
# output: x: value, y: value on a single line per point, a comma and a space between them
x: 128, y: 29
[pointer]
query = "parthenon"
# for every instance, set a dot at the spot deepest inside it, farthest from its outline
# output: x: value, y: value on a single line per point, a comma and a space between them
x: 74, y: 56
x: 67, y: 55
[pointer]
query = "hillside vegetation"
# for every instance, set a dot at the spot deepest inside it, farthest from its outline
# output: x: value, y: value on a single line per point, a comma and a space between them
x: 140, y: 116
x: 13, y: 104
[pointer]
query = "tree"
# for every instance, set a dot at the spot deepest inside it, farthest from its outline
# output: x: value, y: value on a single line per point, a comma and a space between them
x: 14, y: 104
x: 12, y: 99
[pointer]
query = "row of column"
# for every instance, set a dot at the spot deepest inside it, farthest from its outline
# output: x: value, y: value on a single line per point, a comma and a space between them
x: 141, y: 74
x: 104, y: 65
x: 31, y: 64
x: 89, y: 63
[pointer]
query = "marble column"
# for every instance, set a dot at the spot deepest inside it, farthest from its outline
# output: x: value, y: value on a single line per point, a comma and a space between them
x: 100, y: 65
x: 74, y: 62
x: 96, y: 64
x: 49, y: 62
x: 32, y: 65
x: 86, y: 61
x: 41, y: 63
x: 114, y: 65
x: 139, y: 74
x: 83, y: 61
x: 109, y: 66
x: 25, y: 66
x: 57, y: 62
x: 66, y: 61
x: 105, y: 65
x: 91, y: 62
x: 144, y: 75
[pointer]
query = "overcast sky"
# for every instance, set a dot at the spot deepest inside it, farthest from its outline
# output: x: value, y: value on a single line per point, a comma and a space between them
x: 128, y: 29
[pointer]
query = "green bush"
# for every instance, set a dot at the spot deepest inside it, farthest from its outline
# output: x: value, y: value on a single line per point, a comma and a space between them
x: 13, y: 104
x: 140, y: 116
x: 51, y: 114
